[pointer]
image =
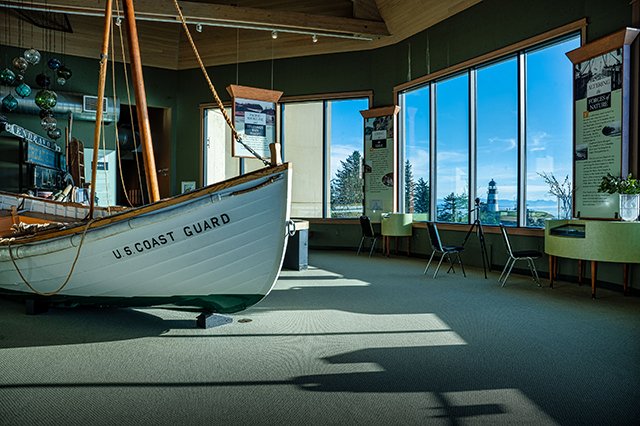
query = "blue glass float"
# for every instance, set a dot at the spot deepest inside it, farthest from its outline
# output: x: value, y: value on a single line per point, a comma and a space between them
x: 23, y: 90
x: 43, y: 80
x: 32, y: 56
x: 54, y: 63
x: 61, y: 81
x: 9, y: 103
x: 7, y: 76
x: 20, y: 64
x: 46, y: 99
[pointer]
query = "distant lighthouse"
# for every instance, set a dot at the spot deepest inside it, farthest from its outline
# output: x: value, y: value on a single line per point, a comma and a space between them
x: 492, y: 200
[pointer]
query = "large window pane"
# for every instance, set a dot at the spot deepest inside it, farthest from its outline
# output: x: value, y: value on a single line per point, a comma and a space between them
x: 345, y: 138
x: 549, y: 132
x: 415, y: 127
x: 302, y: 140
x: 452, y: 149
x: 497, y: 142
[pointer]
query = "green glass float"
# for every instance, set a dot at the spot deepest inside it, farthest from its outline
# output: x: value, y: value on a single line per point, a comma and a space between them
x: 9, y: 103
x: 54, y: 134
x: 64, y: 72
x: 23, y: 90
x: 7, y: 76
x: 46, y: 99
x: 20, y: 64
x: 61, y: 81
x: 49, y: 123
x: 32, y: 56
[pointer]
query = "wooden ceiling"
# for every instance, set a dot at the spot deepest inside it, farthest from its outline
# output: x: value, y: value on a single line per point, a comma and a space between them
x: 229, y: 33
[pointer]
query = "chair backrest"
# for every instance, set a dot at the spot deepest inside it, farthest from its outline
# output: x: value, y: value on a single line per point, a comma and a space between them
x: 434, y: 236
x: 507, y: 244
x: 367, y: 227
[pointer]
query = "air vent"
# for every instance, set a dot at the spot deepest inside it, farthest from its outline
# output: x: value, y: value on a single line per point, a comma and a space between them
x: 90, y: 104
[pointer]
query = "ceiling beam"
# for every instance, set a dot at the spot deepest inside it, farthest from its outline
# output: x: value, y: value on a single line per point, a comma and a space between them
x: 222, y: 15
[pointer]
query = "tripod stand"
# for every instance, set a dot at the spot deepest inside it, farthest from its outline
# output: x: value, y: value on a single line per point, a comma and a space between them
x: 477, y: 226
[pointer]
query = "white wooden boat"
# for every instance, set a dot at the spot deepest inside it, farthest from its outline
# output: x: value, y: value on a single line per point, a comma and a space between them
x: 219, y: 248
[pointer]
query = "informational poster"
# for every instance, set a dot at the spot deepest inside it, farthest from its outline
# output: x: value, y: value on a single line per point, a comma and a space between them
x: 379, y: 161
x: 601, y: 87
x: 598, y: 127
x: 254, y: 117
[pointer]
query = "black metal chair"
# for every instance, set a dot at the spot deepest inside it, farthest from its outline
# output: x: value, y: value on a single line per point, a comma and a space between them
x: 444, y: 251
x: 528, y: 255
x: 368, y: 234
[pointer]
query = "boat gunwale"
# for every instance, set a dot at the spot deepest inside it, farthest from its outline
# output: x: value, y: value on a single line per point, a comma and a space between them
x: 80, y: 226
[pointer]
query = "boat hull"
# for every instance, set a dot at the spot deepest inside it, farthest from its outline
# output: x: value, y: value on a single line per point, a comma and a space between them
x: 219, y: 249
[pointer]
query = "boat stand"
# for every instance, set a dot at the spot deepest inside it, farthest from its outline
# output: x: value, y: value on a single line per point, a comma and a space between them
x: 205, y: 320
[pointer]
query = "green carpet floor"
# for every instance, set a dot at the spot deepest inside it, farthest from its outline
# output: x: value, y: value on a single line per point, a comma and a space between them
x: 351, y: 341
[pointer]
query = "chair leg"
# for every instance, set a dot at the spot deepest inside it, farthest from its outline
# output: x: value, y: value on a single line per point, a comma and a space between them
x: 451, y: 264
x: 373, y: 246
x: 513, y: 262
x: 506, y: 265
x: 534, y: 271
x: 461, y: 265
x: 439, y: 263
x: 360, y: 246
x: 429, y: 263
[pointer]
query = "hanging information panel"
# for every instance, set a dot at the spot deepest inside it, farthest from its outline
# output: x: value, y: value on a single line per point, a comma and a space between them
x: 380, y: 169
x: 254, y: 117
x: 601, y: 121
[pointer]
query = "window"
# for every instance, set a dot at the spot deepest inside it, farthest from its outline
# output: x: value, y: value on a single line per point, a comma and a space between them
x: 497, y: 142
x: 452, y: 149
x: 502, y: 134
x: 549, y: 132
x: 415, y: 132
x: 345, y: 138
x: 302, y: 126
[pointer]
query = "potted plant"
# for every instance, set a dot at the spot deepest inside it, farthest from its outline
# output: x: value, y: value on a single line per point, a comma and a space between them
x: 629, y: 190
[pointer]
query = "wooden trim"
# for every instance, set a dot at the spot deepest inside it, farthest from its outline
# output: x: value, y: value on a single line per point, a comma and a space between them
x: 254, y: 93
x: 329, y: 96
x: 557, y: 32
x: 226, y: 15
x: 603, y: 45
x: 488, y: 229
x: 381, y: 111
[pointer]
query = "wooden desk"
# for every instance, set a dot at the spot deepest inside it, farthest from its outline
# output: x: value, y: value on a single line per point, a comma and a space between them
x: 396, y: 225
x: 593, y: 240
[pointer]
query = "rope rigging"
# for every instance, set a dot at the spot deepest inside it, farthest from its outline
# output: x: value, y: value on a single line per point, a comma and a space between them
x: 235, y: 133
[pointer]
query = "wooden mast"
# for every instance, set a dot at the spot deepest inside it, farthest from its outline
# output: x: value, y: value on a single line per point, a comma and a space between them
x: 102, y: 78
x: 141, y: 103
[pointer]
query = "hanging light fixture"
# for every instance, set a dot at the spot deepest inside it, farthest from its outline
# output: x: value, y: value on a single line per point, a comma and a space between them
x: 314, y: 38
x: 274, y: 34
x: 199, y: 28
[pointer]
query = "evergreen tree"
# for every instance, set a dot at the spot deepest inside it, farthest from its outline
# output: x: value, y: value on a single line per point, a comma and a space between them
x: 409, y: 188
x: 347, y: 187
x: 421, y: 197
x: 453, y: 209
